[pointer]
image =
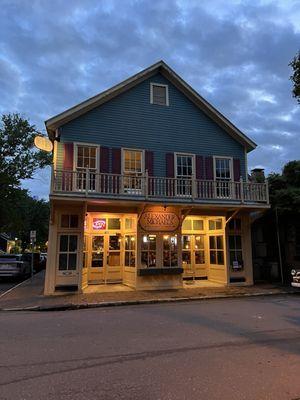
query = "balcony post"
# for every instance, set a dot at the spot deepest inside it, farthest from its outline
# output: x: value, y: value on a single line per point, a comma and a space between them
x: 87, y: 181
x: 194, y: 187
x: 146, y: 183
x: 267, y: 191
x: 242, y: 189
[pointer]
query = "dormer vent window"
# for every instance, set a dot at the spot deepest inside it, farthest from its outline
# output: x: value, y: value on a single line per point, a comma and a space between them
x: 159, y: 94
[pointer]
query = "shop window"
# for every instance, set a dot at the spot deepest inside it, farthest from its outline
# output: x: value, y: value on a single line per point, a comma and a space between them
x: 85, y: 252
x: 186, y: 249
x: 198, y: 225
x: 187, y: 225
x: 114, y: 223
x: 235, y: 244
x: 129, y: 224
x: 235, y: 252
x: 97, y: 251
x: 215, y: 224
x: 69, y: 221
x: 235, y: 225
x: 130, y: 248
x: 199, y: 249
x: 67, y: 260
x: 216, y: 250
x: 148, y: 251
x: 170, y: 256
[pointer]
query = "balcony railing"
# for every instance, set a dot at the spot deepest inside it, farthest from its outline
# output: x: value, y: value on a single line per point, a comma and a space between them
x: 89, y: 183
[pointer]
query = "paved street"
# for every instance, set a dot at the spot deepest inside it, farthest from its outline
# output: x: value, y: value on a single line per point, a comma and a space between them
x: 217, y: 349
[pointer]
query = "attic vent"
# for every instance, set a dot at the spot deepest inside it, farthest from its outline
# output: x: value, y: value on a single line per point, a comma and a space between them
x: 159, y: 94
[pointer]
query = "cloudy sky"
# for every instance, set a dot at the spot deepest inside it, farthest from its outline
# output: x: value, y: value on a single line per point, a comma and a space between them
x: 56, y: 53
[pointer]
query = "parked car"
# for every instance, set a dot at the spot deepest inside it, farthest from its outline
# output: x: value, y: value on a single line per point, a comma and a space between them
x: 295, y: 278
x: 14, y: 266
x: 39, y: 260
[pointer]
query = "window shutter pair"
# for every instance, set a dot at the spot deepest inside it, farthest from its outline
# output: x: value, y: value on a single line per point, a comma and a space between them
x: 204, y: 167
x: 116, y: 161
x: 170, y: 166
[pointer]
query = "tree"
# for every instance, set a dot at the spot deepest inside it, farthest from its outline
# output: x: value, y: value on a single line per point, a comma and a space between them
x: 295, y: 77
x: 18, y: 160
x: 285, y: 189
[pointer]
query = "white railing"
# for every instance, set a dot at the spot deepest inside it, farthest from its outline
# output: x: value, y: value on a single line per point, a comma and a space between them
x: 92, y: 183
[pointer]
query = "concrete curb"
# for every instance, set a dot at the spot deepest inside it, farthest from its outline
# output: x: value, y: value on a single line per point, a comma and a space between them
x: 74, y: 306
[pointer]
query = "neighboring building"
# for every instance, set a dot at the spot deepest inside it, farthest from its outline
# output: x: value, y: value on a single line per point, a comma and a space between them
x: 149, y: 187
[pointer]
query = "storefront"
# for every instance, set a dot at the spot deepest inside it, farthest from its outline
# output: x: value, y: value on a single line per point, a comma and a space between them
x: 146, y: 247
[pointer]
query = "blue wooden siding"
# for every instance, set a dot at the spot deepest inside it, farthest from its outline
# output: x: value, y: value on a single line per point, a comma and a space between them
x: 129, y: 120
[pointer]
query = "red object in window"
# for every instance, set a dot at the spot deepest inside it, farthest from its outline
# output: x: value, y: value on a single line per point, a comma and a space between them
x: 99, y: 224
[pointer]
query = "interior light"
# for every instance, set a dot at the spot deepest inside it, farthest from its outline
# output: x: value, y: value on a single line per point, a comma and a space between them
x: 145, y: 239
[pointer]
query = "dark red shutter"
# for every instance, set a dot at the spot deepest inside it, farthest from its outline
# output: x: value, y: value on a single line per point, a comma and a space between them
x: 209, y: 168
x: 236, y: 169
x: 199, y: 168
x: 67, y: 177
x: 170, y: 165
x: 68, y: 156
x: 149, y: 162
x: 116, y: 161
x: 104, y: 160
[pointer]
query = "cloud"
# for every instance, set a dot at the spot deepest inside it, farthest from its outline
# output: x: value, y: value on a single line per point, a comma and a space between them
x: 236, y: 54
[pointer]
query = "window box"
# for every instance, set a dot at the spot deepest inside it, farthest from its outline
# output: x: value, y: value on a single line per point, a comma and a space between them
x: 160, y: 271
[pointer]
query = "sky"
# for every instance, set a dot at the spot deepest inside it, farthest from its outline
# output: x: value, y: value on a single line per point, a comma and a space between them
x: 56, y: 53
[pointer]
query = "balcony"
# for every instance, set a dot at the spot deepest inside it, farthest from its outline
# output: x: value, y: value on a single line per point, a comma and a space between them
x: 112, y: 186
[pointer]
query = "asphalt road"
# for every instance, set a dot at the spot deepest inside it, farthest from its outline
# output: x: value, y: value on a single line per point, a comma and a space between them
x: 217, y: 349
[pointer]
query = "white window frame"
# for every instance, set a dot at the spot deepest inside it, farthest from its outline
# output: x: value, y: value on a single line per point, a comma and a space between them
x: 77, y: 144
x: 180, y: 189
x: 231, y: 166
x: 75, y: 160
x: 167, y: 93
x: 69, y: 272
x: 132, y: 190
x: 123, y: 159
x: 188, y: 155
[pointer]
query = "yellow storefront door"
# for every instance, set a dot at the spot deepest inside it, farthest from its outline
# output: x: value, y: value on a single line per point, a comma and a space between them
x: 105, y: 258
x: 194, y: 255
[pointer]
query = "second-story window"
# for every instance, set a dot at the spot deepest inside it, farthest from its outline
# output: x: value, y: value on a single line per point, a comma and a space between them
x: 86, y: 159
x: 223, y: 176
x: 133, y: 169
x: 159, y: 94
x: 184, y: 173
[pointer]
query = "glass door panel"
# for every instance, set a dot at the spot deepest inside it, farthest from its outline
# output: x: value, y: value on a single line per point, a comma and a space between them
x: 114, y: 250
x: 199, y: 249
x: 97, y: 252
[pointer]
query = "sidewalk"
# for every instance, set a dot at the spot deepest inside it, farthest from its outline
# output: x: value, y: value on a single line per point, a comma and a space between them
x: 29, y: 296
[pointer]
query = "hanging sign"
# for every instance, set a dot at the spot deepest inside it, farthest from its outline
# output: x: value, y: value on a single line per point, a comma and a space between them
x: 99, y: 224
x: 159, y: 221
x: 43, y: 143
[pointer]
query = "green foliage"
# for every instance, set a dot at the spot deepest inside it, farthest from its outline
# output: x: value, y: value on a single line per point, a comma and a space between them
x: 285, y: 189
x: 25, y: 213
x: 295, y: 77
x: 19, y: 159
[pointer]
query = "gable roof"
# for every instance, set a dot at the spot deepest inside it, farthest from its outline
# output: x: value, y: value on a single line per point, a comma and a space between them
x: 55, y: 122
